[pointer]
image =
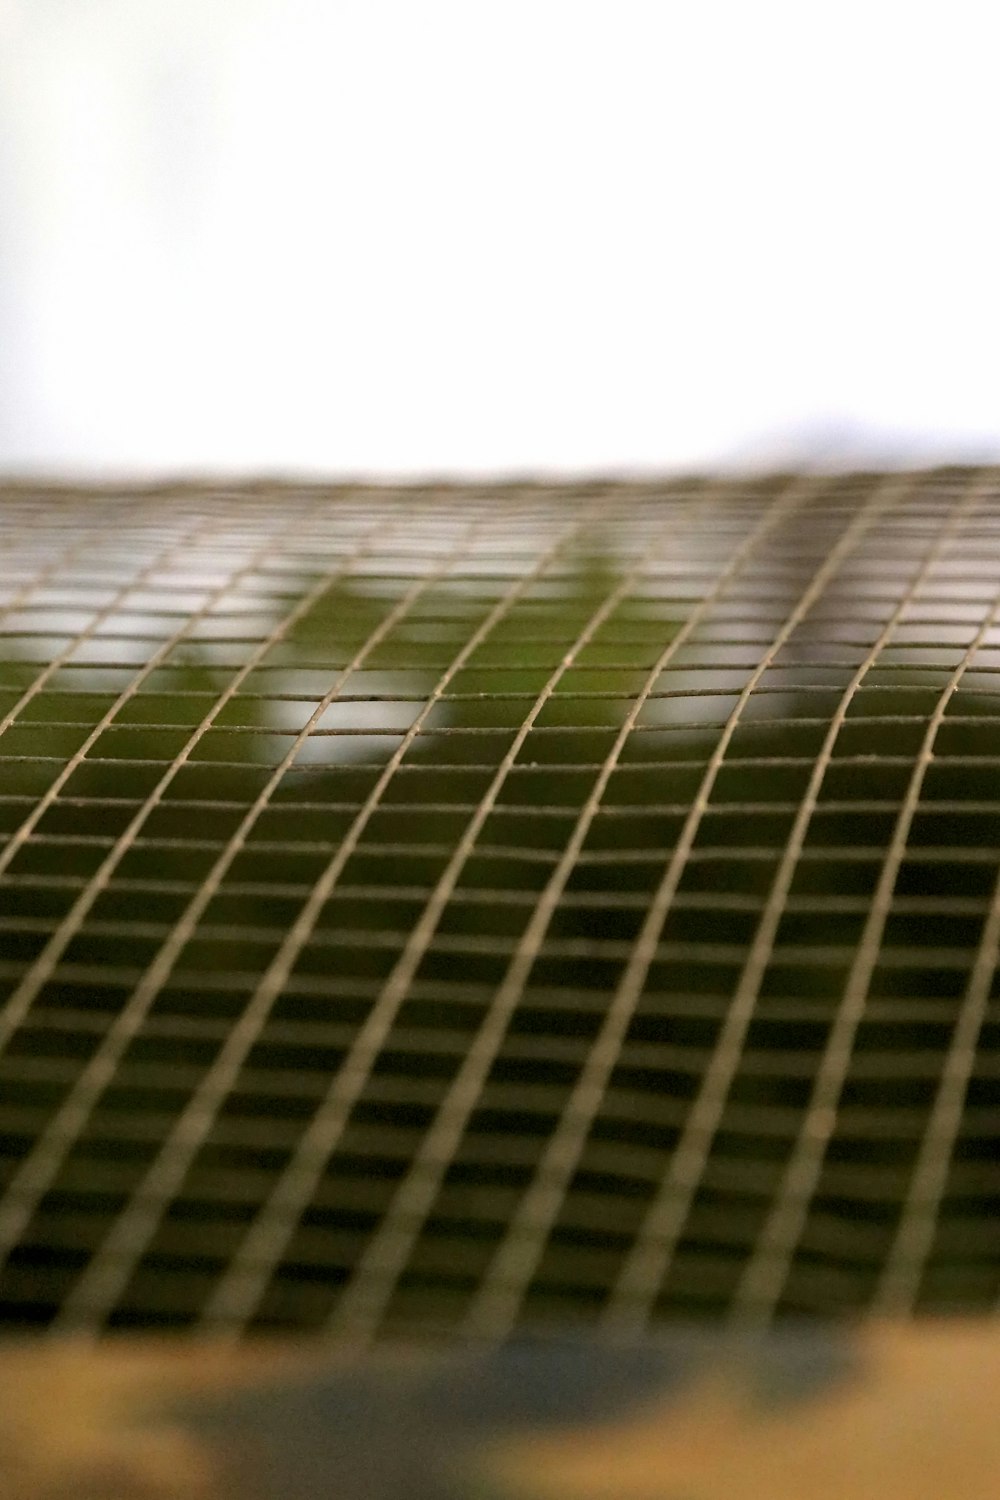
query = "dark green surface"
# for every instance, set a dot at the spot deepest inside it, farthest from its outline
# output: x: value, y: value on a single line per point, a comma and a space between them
x: 941, y: 899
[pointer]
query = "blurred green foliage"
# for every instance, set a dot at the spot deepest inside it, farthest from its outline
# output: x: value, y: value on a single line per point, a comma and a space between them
x: 230, y: 754
x: 173, y: 780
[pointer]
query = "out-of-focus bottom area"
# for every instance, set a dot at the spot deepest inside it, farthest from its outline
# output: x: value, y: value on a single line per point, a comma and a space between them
x: 884, y: 1410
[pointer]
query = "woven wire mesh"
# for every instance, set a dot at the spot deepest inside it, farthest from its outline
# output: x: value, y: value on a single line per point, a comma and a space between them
x: 476, y: 907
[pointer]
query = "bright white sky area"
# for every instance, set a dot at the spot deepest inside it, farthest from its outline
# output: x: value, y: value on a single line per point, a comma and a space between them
x: 366, y: 237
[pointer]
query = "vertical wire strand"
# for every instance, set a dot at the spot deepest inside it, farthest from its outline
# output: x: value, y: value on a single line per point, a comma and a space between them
x: 239, y: 1291
x: 42, y: 1162
x: 900, y: 1278
x: 373, y: 1282
x: 766, y: 1272
x: 92, y: 1295
x: 502, y: 1291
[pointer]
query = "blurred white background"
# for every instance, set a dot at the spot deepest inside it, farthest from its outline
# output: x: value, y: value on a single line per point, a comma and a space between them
x: 359, y: 236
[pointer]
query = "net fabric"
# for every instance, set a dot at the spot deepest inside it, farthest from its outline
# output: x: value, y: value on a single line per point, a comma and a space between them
x: 470, y: 907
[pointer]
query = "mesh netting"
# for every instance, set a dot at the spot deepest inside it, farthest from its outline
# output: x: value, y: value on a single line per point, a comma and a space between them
x: 476, y: 907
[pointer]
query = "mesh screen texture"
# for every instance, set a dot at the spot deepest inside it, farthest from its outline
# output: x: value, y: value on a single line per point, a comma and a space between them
x: 478, y: 908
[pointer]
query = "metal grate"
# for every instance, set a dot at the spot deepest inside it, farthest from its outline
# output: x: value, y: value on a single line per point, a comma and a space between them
x: 468, y: 907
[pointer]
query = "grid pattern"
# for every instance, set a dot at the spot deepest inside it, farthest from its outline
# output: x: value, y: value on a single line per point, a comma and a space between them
x: 463, y: 908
